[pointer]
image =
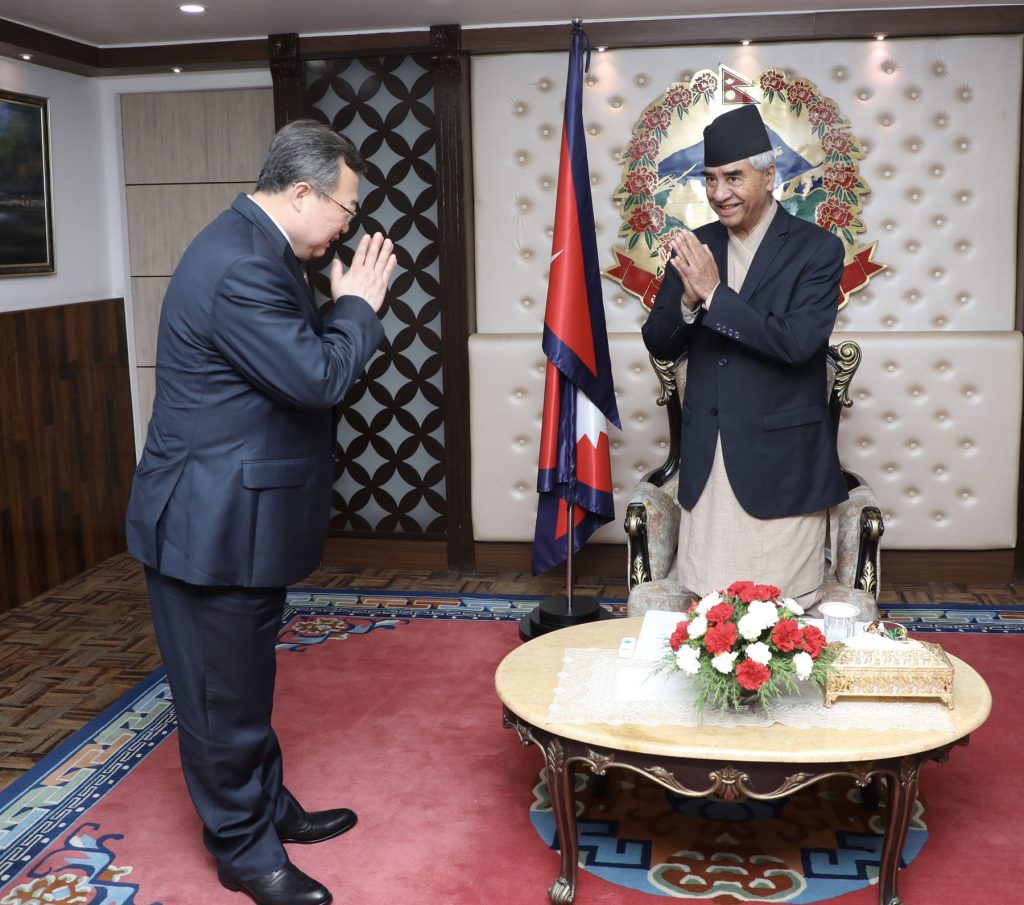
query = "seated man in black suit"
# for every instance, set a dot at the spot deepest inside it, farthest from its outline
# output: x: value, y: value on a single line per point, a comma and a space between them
x: 751, y: 300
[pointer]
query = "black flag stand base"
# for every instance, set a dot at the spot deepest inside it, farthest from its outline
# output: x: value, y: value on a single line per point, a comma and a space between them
x: 553, y: 613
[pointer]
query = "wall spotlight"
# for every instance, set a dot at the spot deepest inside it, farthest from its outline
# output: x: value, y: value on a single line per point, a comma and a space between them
x: 25, y: 56
x: 745, y: 42
x: 880, y: 37
x: 176, y: 69
x: 601, y: 48
x: 192, y: 8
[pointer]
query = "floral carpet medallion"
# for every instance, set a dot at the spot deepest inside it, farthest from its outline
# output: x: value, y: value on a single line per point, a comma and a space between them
x: 813, y: 845
x: 79, y: 870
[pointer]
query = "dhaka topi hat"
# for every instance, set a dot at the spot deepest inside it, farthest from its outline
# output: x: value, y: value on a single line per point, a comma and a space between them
x: 735, y: 135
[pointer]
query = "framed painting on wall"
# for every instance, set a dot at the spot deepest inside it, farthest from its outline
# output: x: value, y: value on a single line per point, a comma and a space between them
x: 26, y: 209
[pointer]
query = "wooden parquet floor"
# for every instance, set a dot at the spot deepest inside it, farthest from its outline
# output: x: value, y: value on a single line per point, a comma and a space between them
x: 69, y: 653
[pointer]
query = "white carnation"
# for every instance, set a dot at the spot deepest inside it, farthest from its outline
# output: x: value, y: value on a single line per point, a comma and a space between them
x: 688, y: 660
x: 804, y: 664
x: 766, y: 612
x: 725, y: 662
x: 759, y: 652
x: 698, y: 625
x: 790, y: 604
x: 749, y: 627
x: 708, y: 601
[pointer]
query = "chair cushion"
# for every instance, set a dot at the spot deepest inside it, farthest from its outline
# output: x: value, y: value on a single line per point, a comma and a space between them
x: 661, y: 594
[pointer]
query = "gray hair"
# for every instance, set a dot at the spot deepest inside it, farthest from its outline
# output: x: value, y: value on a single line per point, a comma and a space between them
x: 762, y: 161
x: 307, y: 151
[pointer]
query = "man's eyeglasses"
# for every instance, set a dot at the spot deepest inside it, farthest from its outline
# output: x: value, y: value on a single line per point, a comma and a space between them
x: 352, y: 214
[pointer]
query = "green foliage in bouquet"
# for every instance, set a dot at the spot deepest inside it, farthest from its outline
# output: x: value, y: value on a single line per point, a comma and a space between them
x: 745, y: 645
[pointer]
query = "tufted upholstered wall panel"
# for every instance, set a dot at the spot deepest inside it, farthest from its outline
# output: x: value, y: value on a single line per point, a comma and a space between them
x: 942, y: 164
x: 934, y: 429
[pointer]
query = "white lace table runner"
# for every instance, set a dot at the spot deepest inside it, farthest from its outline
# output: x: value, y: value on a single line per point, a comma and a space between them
x: 598, y: 686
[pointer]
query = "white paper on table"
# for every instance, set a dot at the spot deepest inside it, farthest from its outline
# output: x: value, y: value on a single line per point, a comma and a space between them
x: 652, y: 642
x: 638, y: 683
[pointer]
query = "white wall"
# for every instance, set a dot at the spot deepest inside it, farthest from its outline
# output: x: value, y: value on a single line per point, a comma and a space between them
x: 81, y: 190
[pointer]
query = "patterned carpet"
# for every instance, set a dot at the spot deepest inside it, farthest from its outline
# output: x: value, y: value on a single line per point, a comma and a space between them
x: 48, y: 848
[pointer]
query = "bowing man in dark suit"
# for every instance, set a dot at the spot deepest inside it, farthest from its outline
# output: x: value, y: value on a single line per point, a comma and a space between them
x: 751, y: 300
x: 232, y: 494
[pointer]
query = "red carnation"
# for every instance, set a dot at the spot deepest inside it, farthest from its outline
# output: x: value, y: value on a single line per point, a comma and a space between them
x: 681, y: 633
x: 737, y: 587
x: 767, y: 592
x: 750, y: 593
x: 720, y: 612
x: 752, y: 675
x: 720, y: 638
x: 812, y: 641
x: 786, y: 635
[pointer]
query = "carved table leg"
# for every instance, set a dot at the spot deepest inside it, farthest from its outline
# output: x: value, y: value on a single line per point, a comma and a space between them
x: 563, y: 803
x: 902, y: 791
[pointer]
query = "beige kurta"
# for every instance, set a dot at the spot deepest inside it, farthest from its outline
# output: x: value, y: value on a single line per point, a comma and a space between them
x: 719, y: 542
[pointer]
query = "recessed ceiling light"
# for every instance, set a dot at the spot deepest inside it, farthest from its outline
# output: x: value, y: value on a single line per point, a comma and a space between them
x: 25, y: 56
x: 601, y: 48
x: 192, y: 8
x: 745, y: 42
x: 175, y: 69
x: 880, y: 37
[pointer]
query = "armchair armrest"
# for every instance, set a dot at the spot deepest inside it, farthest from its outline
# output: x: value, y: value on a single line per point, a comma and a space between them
x: 652, y: 529
x: 855, y: 546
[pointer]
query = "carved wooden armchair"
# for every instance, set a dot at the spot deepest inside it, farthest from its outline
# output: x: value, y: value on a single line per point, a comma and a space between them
x: 652, y: 516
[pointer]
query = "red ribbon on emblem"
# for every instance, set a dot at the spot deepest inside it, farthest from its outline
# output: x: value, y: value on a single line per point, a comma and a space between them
x: 635, y: 279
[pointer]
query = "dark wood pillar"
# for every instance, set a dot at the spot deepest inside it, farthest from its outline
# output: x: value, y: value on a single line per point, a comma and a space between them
x: 458, y: 308
x: 286, y: 72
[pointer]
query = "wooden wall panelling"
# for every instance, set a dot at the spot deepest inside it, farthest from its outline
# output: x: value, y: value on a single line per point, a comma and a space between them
x: 67, y: 451
x: 147, y: 300
x: 164, y: 219
x: 196, y: 136
x: 455, y: 222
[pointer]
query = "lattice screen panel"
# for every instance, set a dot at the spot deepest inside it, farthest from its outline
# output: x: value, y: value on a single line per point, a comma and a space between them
x: 390, y: 440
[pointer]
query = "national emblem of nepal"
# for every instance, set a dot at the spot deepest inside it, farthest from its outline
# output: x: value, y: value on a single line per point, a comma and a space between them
x: 662, y: 189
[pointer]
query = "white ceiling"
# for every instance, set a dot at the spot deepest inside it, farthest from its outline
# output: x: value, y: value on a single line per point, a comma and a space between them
x: 111, y: 23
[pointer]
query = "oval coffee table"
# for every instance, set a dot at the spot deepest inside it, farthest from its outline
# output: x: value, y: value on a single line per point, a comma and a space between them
x: 731, y: 764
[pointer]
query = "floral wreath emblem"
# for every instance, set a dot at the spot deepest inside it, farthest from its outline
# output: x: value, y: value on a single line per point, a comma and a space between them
x: 662, y: 193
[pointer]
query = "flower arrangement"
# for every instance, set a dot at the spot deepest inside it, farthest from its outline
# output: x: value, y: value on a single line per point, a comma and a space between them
x: 746, y: 644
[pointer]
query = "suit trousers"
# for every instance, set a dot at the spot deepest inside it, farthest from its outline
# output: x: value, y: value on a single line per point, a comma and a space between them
x: 218, y: 645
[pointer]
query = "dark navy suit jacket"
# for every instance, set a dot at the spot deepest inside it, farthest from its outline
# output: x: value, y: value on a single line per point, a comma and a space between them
x: 234, y: 483
x: 756, y: 371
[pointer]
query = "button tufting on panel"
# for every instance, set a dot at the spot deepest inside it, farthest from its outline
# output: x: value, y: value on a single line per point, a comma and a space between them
x: 662, y: 444
x: 521, y: 156
x: 937, y: 170
x: 521, y: 442
x: 913, y: 92
x: 888, y: 225
x: 970, y: 392
x: 640, y: 419
x: 864, y: 94
x: 965, y: 93
x: 942, y: 367
x: 887, y: 172
x: 616, y: 444
x: 914, y: 194
x: 886, y: 119
x: 940, y: 321
x: 967, y: 445
x: 839, y: 73
x: 891, y: 468
x: 520, y: 487
x: 891, y: 367
x: 544, y: 84
x: 963, y: 144
x: 914, y: 144
x: 545, y: 130
x: 912, y: 492
x: 965, y: 495
x: 889, y: 417
x: 913, y: 444
x: 964, y: 299
x: 863, y: 395
x: 518, y: 394
x: 889, y: 66
x: 912, y: 247
x: 940, y: 222
x: 615, y: 102
x: 527, y: 254
x: 964, y: 197
x: 615, y: 489
x: 840, y: 323
x: 940, y: 120
x: 591, y: 81
x: 912, y: 295
x: 640, y: 468
x: 594, y: 129
x: 864, y: 443
x: 939, y: 516
x: 889, y: 322
x: 942, y: 418
x: 963, y: 246
x: 546, y: 182
x: 642, y: 80
x: 940, y: 471
x: 939, y: 68
x: 519, y: 108
x: 916, y: 392
x: 938, y: 273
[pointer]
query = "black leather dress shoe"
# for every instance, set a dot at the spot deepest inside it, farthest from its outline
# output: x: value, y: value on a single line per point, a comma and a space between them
x: 318, y: 826
x: 287, y: 886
